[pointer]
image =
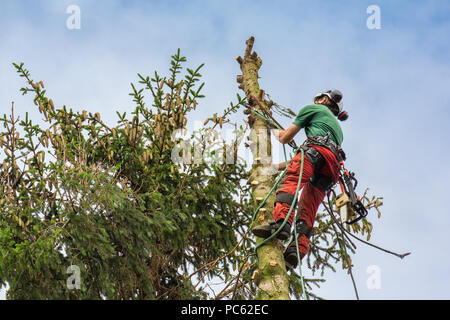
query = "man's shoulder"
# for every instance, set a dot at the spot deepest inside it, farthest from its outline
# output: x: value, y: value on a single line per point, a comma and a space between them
x: 309, y: 106
x: 316, y: 108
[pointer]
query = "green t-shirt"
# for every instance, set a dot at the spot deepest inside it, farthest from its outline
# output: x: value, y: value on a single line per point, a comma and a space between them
x: 318, y: 120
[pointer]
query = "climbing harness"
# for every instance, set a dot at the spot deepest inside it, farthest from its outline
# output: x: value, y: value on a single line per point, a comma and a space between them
x: 330, y: 144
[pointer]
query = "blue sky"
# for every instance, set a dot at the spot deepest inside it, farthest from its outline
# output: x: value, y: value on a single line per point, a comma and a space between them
x: 395, y: 82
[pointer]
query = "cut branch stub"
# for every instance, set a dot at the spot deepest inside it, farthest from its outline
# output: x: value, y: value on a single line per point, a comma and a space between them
x: 249, y: 47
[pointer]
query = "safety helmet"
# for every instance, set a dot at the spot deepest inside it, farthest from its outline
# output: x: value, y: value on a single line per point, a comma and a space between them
x: 335, y: 96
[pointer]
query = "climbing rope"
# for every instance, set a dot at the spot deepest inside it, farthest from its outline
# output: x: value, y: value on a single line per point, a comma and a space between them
x: 295, y: 229
x: 259, y: 114
x: 263, y: 202
x: 287, y: 216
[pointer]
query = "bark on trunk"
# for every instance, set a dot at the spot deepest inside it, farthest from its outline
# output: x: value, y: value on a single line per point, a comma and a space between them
x: 270, y: 276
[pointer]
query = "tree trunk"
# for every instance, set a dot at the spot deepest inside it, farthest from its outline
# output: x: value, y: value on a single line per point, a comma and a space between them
x: 270, y: 276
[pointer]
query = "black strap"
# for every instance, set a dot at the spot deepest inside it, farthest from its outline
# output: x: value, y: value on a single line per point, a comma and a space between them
x: 330, y: 144
x: 321, y: 182
x: 316, y: 159
x: 303, y: 228
x: 284, y: 197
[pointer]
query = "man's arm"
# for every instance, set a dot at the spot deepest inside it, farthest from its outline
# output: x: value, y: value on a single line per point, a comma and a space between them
x: 284, y: 136
x: 281, y: 165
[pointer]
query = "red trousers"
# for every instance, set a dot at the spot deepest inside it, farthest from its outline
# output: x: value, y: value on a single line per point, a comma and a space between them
x: 311, y: 197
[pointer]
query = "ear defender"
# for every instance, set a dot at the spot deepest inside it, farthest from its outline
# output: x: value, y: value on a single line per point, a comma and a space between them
x: 343, y: 115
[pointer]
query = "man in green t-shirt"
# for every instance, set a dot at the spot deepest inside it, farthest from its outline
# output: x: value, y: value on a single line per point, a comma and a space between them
x: 319, y: 120
x: 321, y: 160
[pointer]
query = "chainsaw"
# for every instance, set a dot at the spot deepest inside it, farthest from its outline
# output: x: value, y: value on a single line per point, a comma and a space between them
x: 349, y: 205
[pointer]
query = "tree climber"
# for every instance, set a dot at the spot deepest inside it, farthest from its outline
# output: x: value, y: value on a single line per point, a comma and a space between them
x: 322, y: 154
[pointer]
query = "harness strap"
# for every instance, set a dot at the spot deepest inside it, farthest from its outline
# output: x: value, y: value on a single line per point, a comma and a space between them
x: 330, y: 144
x: 314, y: 156
x: 321, y: 182
x: 284, y: 197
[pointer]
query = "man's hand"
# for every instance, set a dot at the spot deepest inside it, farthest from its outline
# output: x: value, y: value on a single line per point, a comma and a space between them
x: 277, y: 133
x: 285, y: 136
x: 281, y: 165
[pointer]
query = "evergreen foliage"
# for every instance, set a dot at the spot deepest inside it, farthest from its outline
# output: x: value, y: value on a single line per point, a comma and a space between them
x: 110, y: 200
x: 76, y: 191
